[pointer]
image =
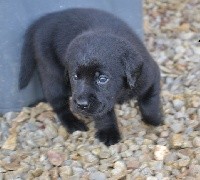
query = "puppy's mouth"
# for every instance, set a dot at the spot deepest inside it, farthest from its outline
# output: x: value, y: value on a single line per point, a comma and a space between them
x: 92, y: 110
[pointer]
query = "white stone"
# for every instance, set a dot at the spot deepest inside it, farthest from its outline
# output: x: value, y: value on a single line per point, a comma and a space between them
x: 178, y: 104
x: 196, y: 142
x: 160, y: 152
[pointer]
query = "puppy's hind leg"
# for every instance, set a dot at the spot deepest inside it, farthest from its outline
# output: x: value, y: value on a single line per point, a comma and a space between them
x: 107, y: 129
x: 150, y: 107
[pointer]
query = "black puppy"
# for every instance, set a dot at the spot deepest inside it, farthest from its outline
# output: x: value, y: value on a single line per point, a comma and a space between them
x: 96, y: 58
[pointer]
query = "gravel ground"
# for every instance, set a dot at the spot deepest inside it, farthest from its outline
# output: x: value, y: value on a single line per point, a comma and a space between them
x: 33, y: 144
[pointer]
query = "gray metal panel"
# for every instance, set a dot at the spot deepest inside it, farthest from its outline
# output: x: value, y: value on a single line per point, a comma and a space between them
x: 16, y: 15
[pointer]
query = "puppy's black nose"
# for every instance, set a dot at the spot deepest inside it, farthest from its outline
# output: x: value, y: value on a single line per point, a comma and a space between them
x: 82, y: 104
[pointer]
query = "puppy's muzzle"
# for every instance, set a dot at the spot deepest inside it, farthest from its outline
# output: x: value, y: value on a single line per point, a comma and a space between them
x: 82, y: 104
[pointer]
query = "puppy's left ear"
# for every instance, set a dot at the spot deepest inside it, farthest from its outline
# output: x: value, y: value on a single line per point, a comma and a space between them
x: 66, y: 77
x: 133, y: 64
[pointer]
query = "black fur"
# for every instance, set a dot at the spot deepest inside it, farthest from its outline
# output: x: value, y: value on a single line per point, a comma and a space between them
x: 96, y: 58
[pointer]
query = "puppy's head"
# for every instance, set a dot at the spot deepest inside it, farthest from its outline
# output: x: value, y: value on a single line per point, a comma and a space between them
x: 96, y: 72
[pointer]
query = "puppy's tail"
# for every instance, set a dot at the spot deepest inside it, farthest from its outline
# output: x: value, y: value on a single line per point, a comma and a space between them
x: 28, y: 63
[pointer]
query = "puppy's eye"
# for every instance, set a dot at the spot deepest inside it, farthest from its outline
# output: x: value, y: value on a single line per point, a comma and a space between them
x: 75, y: 77
x: 102, y: 79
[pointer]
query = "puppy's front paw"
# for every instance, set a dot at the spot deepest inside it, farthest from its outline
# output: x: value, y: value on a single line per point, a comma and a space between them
x: 108, y: 136
x: 155, y: 119
x: 75, y: 125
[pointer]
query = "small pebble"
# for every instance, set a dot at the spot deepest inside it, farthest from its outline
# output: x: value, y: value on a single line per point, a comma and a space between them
x: 65, y: 171
x: 184, y: 162
x: 104, y: 154
x: 151, y: 178
x: 132, y: 163
x: 160, y: 152
x: 89, y: 158
x: 55, y: 158
x: 194, y: 170
x: 178, y: 104
x: 196, y: 142
x: 176, y: 140
x: 97, y: 176
x: 177, y: 127
x: 10, y: 116
x: 119, y: 169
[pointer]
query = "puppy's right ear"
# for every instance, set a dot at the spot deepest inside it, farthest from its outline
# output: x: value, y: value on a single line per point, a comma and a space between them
x: 132, y: 66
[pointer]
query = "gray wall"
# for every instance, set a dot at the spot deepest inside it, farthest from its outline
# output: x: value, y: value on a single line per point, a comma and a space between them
x: 16, y: 15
